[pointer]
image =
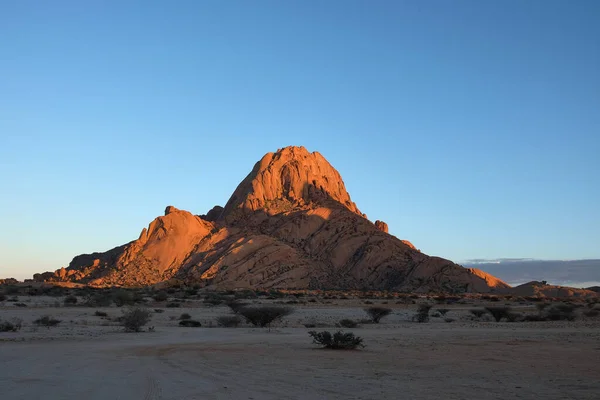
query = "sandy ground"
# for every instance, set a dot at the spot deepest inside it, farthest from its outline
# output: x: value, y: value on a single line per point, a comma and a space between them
x: 87, y: 357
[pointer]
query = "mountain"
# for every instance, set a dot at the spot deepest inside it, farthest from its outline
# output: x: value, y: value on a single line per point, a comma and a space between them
x: 289, y: 224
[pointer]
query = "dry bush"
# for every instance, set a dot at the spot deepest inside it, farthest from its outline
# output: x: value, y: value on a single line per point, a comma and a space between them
x: 236, y: 306
x: 123, y: 298
x: 514, y: 317
x: 422, y: 313
x: 477, y: 312
x: 591, y: 313
x: 173, y: 304
x: 337, y: 341
x: 449, y: 319
x: 161, y: 296
x: 100, y: 314
x: 376, y: 313
x: 2, y: 297
x: 560, y: 311
x: 47, y: 321
x: 159, y: 310
x: 443, y: 311
x: 348, y: 323
x: 185, y: 316
x: 264, y: 315
x: 134, y: 318
x: 229, y: 321
x: 70, y: 300
x: 8, y: 326
x: 190, y: 323
x: 499, y: 312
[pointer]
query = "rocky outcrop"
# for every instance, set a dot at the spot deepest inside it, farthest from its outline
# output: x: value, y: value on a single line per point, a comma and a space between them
x: 382, y: 226
x: 289, y: 224
x: 542, y: 289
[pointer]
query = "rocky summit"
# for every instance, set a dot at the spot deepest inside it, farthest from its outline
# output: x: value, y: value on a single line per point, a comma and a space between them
x: 290, y: 224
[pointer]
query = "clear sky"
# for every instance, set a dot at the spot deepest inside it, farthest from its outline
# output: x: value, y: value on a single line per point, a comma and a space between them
x: 471, y: 127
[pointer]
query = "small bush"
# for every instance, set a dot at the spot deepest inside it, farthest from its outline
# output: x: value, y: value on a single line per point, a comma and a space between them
x: 533, y: 318
x: 7, y: 326
x: 443, y: 311
x: 265, y: 315
x: 190, y: 323
x: 20, y: 305
x: 100, y: 314
x: 173, y: 304
x: 498, y: 312
x: 185, y: 316
x: 348, y: 323
x: 478, y: 312
x: 99, y: 300
x: 514, y: 317
x: 2, y: 297
x: 422, y: 313
x: 376, y: 313
x: 337, y: 341
x: 159, y: 310
x: 70, y: 300
x: 229, y: 321
x: 561, y: 311
x: 449, y: 320
x: 123, y: 298
x: 134, y: 318
x: 47, y: 321
x: 541, y: 306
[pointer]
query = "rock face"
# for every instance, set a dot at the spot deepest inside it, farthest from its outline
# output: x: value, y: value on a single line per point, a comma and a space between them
x: 289, y: 224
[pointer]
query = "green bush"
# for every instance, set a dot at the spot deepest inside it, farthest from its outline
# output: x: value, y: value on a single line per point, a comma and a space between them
x: 263, y: 316
x: 337, y: 341
x: 376, y: 313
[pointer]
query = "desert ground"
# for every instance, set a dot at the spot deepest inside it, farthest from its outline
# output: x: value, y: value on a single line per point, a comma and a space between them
x: 453, y: 357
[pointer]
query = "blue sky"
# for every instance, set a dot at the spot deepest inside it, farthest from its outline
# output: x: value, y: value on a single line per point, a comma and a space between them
x: 471, y: 127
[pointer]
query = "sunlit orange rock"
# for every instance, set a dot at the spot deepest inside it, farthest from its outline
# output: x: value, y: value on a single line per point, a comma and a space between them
x: 289, y: 224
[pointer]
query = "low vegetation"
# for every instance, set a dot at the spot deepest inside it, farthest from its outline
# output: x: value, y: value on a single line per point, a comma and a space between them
x: 348, y: 323
x: 190, y: 323
x: 101, y: 314
x: 336, y: 341
x: 229, y: 321
x: 478, y: 312
x: 377, y: 313
x: 134, y: 318
x: 499, y: 313
x: 422, y: 313
x: 13, y: 325
x: 185, y: 316
x: 264, y: 316
x: 47, y: 321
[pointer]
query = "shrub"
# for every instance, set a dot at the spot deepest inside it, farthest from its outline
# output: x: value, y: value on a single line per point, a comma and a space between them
x: 173, y: 304
x: 478, y: 312
x: 265, y: 315
x: 422, y: 313
x: 190, y: 323
x: 533, y: 318
x: 443, y: 311
x: 185, y: 316
x: 99, y: 300
x: 235, y: 306
x: 514, y: 317
x: 498, y: 312
x: 100, y: 314
x: 541, y: 306
x: 229, y: 321
x: 591, y: 313
x: 47, y: 321
x: 368, y: 302
x: 161, y: 296
x: 70, y: 300
x: 20, y: 304
x: 159, y: 310
x: 337, y: 341
x: 376, y: 313
x: 123, y: 298
x: 2, y: 297
x: 449, y: 319
x: 561, y: 311
x: 7, y: 326
x: 348, y: 323
x: 134, y: 318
